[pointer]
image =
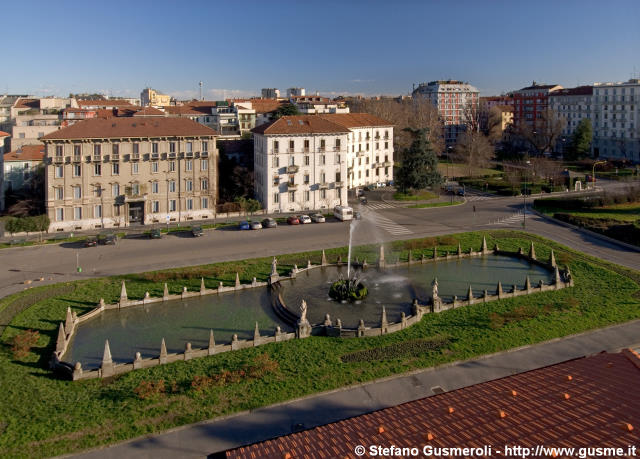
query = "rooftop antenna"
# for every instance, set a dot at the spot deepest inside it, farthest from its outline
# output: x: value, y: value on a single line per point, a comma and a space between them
x: 200, y: 84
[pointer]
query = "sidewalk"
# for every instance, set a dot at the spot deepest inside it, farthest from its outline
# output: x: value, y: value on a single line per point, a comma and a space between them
x: 208, y: 437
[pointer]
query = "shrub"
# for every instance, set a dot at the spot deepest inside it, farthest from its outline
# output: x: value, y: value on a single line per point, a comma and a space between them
x: 23, y: 342
x: 150, y: 389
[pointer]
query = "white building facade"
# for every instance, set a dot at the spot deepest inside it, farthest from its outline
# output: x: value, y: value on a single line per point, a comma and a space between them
x: 309, y: 162
x: 574, y: 105
x: 616, y: 125
x: 457, y: 103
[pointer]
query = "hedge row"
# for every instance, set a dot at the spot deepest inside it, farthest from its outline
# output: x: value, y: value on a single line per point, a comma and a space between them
x: 632, y: 194
x: 629, y: 232
x: 27, y: 224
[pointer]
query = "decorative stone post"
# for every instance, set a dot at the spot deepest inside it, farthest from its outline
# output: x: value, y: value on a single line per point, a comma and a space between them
x: 165, y: 294
x: 163, y: 352
x: 203, y: 288
x: 361, y: 328
x: 256, y: 335
x: 381, y: 262
x: 409, y: 259
x: 485, y: 296
x: 77, y: 371
x: 532, y: 251
x: 527, y: 285
x: 237, y: 280
x: 137, y: 362
x: 459, y: 253
x: 484, y: 249
x: 309, y: 264
x: 552, y: 259
x: 323, y: 259
x: 274, y: 277
x: 235, y: 344
x: 68, y: 323
x: 188, y: 352
x: 422, y: 258
x: 123, y: 294
x: 403, y: 320
x: 556, y: 277
x: 437, y: 301
x: 339, y: 324
x: 496, y: 249
x: 435, y: 252
x: 499, y: 291
x: 106, y: 368
x: 254, y: 282
x: 146, y: 297
x: 470, y: 295
x: 212, y: 344
x: 303, y: 327
x: 101, y: 304
x: 61, y: 342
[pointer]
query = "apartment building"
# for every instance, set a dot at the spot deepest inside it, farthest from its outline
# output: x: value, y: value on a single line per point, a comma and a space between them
x: 20, y: 165
x: 616, y: 120
x: 573, y: 105
x: 3, y: 137
x: 270, y: 93
x: 6, y: 104
x: 457, y: 103
x: 310, y: 105
x: 291, y: 92
x: 308, y: 162
x: 531, y: 102
x: 32, y: 118
x: 116, y: 172
x: 151, y: 97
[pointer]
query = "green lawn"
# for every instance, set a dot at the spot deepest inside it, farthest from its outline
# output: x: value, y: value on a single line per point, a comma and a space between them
x: 422, y: 195
x: 628, y: 212
x: 42, y: 416
x: 462, y: 170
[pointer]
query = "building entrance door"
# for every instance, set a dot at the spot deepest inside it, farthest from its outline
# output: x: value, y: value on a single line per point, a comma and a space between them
x: 136, y: 213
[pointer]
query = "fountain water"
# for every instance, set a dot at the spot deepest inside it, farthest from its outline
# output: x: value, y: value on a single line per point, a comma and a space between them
x: 351, y: 226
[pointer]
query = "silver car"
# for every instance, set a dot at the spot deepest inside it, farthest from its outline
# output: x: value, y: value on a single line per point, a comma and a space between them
x: 304, y: 219
x: 318, y: 218
x: 255, y: 225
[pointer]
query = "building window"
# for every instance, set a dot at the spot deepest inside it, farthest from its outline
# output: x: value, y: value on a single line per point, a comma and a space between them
x: 115, y: 190
x: 322, y: 160
x: 155, y: 207
x: 205, y: 146
x: 155, y: 188
x: 97, y: 211
x: 134, y: 168
x: 115, y: 168
x: 136, y: 148
x: 172, y: 205
x: 306, y: 195
x: 276, y: 198
x: 204, y: 184
x: 205, y: 203
x: 291, y: 146
x: 135, y: 189
x: 59, y: 193
x: 154, y: 147
x: 59, y: 214
x: 204, y: 164
x: 58, y: 150
x: 306, y: 160
x: 77, y: 192
x: 276, y: 163
x: 77, y: 150
x: 154, y: 167
x: 276, y: 146
x: 172, y: 186
x: 189, y: 185
x: 306, y: 179
x: 97, y: 150
x: 77, y: 213
x: 189, y: 147
x: 172, y: 166
x: 59, y: 172
x: 292, y: 196
x: 337, y: 144
x: 77, y: 170
x: 323, y: 178
x: 323, y: 194
x: 188, y: 165
x: 189, y: 204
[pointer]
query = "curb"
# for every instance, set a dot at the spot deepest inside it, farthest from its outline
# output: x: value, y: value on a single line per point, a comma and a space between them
x: 586, y: 231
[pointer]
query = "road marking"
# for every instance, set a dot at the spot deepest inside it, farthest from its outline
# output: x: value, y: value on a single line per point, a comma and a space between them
x: 513, y: 218
x: 386, y: 224
x: 379, y: 205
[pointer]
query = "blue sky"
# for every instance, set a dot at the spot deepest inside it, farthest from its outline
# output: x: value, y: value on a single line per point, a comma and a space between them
x: 334, y: 47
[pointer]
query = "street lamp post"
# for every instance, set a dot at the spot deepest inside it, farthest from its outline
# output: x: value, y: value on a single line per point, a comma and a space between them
x: 524, y: 198
x: 593, y: 173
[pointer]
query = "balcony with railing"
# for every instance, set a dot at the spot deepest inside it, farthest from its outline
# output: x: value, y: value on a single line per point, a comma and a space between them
x: 96, y: 158
x: 115, y: 157
x: 58, y: 159
x: 135, y: 156
x: 133, y: 191
x: 77, y: 158
x: 292, y: 169
x: 323, y: 185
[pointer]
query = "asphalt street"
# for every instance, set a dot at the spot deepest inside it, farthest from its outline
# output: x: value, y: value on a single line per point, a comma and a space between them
x: 382, y: 222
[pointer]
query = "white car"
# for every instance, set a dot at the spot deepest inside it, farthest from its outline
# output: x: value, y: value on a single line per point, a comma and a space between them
x: 305, y: 219
x: 318, y: 218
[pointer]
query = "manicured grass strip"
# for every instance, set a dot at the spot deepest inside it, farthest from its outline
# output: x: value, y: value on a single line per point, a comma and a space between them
x: 419, y: 196
x: 43, y: 416
x: 435, y: 204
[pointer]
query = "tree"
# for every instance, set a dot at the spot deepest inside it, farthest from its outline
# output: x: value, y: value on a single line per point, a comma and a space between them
x: 285, y: 110
x: 419, y: 168
x: 474, y: 150
x: 580, y: 146
x: 543, y: 133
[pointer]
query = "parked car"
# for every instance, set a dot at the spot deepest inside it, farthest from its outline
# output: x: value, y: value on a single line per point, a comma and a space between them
x: 357, y: 215
x: 196, y: 231
x: 107, y: 239
x: 269, y: 223
x: 244, y: 225
x: 255, y: 225
x: 155, y: 234
x: 91, y: 241
x: 293, y: 220
x: 318, y: 218
x: 305, y: 219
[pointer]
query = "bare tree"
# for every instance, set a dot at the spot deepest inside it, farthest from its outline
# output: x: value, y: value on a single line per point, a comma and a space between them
x: 473, y: 149
x: 543, y: 132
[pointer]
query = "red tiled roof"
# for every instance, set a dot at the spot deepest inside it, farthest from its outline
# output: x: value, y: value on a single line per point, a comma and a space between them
x: 26, y: 153
x: 579, y: 403
x: 100, y: 128
x: 577, y: 91
x: 27, y: 103
x: 352, y: 120
x: 104, y: 103
x: 149, y: 111
x: 183, y: 110
x: 263, y: 105
x: 300, y: 124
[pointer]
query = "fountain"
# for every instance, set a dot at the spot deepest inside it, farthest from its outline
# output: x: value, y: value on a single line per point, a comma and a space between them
x: 349, y: 289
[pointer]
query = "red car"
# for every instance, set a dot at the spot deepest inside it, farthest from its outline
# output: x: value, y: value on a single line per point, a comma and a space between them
x: 293, y: 220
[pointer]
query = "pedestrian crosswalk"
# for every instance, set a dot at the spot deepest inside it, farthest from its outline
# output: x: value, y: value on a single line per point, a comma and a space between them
x: 513, y: 219
x: 384, y: 223
x: 380, y: 205
x: 478, y: 197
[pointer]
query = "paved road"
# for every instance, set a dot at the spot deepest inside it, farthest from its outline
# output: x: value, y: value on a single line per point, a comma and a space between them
x: 200, y: 440
x: 57, y: 263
